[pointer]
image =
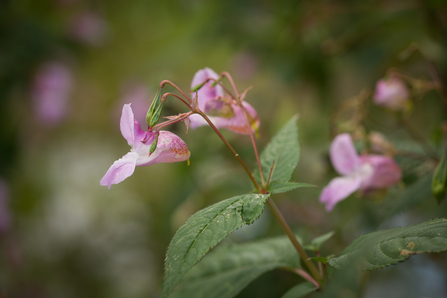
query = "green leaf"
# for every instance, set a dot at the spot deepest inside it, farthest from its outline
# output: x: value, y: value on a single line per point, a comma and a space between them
x: 439, y: 182
x: 284, y: 151
x: 316, y: 243
x: 384, y: 248
x: 204, y: 230
x: 300, y: 290
x: 285, y: 186
x: 225, y: 271
x: 154, y: 112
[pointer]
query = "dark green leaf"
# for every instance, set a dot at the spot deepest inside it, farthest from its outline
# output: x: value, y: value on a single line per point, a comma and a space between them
x: 223, y: 273
x: 285, y: 186
x: 439, y: 182
x: 300, y: 290
x: 204, y: 230
x: 384, y: 248
x: 284, y: 151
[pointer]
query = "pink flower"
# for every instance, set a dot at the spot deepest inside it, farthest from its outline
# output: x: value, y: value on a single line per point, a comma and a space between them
x: 366, y: 172
x: 391, y: 93
x: 224, y: 112
x: 170, y: 148
x: 52, y: 86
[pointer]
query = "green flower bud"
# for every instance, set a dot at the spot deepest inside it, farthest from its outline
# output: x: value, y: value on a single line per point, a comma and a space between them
x: 439, y: 182
x: 154, y: 144
x: 154, y: 112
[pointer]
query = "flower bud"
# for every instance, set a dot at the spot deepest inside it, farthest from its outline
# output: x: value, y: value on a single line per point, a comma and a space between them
x: 154, y: 112
x: 391, y: 93
x: 439, y: 182
x: 154, y: 144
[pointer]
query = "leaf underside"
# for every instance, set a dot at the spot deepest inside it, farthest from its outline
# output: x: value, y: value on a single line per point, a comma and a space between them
x: 383, y: 248
x: 284, y: 151
x: 204, y: 230
x: 223, y: 273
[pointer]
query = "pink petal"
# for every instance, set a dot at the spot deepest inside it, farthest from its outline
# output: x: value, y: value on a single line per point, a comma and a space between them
x: 392, y: 93
x: 238, y: 123
x: 130, y: 128
x: 170, y: 148
x: 385, y: 172
x: 343, y: 155
x: 120, y: 170
x: 338, y: 190
x: 207, y: 92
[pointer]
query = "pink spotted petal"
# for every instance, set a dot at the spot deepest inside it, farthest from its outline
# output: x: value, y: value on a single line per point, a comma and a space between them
x: 207, y: 92
x: 120, y: 170
x: 170, y: 148
x: 345, y: 159
x: 385, y: 172
x: 339, y: 189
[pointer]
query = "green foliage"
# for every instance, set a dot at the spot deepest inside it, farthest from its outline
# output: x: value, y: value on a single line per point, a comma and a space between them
x: 383, y: 248
x: 300, y: 290
x: 439, y: 182
x: 317, y: 242
x: 204, y: 230
x: 284, y: 151
x: 223, y: 273
x: 285, y: 186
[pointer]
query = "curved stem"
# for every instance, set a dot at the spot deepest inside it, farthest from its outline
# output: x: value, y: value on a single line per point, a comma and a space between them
x: 178, y: 97
x: 278, y: 216
x: 162, y: 83
x: 220, y: 84
x: 226, y: 74
x: 169, y: 122
x: 250, y: 175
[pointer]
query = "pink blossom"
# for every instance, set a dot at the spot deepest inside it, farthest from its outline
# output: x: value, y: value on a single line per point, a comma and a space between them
x: 170, y: 148
x: 391, y: 93
x: 52, y: 86
x: 365, y: 173
x: 224, y: 112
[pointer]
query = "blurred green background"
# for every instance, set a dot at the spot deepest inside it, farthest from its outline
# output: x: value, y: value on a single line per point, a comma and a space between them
x: 64, y: 235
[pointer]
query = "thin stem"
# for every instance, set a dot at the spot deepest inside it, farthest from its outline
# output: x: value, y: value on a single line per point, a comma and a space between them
x: 162, y: 83
x: 320, y: 267
x: 226, y: 74
x: 306, y: 276
x: 278, y: 216
x: 255, y: 148
x: 169, y: 122
x: 220, y: 84
x: 250, y: 175
x: 271, y: 173
x: 178, y: 97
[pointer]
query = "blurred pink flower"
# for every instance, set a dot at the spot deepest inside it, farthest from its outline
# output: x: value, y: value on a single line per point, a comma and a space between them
x: 89, y: 28
x: 366, y: 172
x: 170, y: 148
x: 5, y: 217
x: 391, y: 93
x: 224, y: 112
x: 51, y: 90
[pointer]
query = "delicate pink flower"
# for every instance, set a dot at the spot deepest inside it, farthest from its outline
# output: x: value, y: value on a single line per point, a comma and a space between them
x: 51, y: 91
x: 366, y: 172
x: 224, y: 112
x: 391, y: 93
x: 170, y: 148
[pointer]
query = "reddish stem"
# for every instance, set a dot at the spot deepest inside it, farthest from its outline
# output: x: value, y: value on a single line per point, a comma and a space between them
x: 162, y: 83
x: 176, y: 96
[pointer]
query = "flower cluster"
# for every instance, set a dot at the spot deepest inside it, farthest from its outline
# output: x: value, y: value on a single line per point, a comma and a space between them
x: 156, y: 146
x: 365, y: 172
